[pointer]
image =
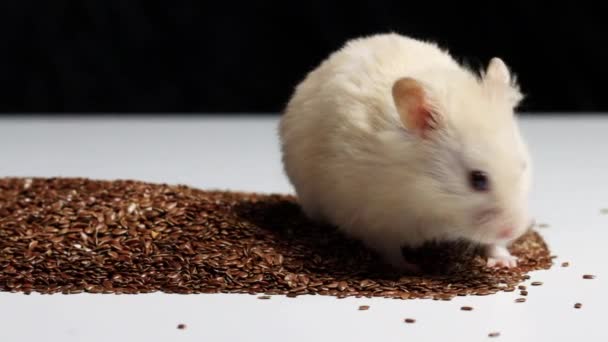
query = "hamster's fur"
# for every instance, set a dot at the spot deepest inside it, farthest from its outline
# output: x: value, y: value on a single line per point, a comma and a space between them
x: 383, y: 139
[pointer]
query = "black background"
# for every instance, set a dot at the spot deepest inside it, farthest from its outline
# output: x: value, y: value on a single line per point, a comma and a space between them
x: 135, y: 56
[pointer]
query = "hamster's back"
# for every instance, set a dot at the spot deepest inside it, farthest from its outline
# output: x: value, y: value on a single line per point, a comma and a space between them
x: 354, y: 83
x: 364, y: 66
x: 339, y: 107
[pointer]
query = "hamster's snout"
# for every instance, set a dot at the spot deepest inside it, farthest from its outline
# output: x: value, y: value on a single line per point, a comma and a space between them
x: 501, y: 224
x: 513, y: 228
x: 486, y: 216
x: 506, y: 232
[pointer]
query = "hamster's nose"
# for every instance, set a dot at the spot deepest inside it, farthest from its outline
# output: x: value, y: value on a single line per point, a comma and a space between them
x: 505, y: 232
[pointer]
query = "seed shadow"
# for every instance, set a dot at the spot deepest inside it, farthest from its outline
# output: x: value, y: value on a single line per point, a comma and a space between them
x: 322, y: 250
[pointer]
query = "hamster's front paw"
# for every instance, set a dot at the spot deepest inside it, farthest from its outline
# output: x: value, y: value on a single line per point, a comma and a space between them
x: 507, y: 262
x: 499, y: 256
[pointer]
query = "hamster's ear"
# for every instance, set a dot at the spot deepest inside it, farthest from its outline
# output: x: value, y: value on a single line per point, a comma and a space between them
x: 413, y: 105
x: 498, y: 73
x: 497, y: 70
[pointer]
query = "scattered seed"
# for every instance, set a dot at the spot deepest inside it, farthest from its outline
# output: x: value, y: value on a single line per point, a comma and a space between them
x: 132, y: 208
x: 263, y: 297
x: 588, y: 276
x: 409, y: 320
x: 520, y: 300
x: 565, y: 264
x: 578, y: 305
x: 523, y: 293
x: 363, y: 307
x: 536, y: 283
x: 181, y: 326
x: 522, y: 287
x: 543, y: 225
x: 494, y: 334
x: 128, y: 237
x: 27, y: 183
x: 466, y: 308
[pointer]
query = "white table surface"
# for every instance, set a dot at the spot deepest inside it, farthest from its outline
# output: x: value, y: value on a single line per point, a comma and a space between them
x: 571, y: 164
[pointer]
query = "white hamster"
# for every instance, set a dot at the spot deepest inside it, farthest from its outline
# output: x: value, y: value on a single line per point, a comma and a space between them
x: 395, y: 143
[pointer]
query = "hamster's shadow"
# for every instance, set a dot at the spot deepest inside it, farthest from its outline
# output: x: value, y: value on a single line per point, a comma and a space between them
x: 321, y: 249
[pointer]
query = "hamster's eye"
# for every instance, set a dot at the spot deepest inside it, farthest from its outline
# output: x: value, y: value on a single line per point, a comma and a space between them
x: 479, y: 180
